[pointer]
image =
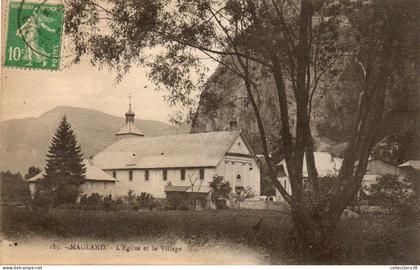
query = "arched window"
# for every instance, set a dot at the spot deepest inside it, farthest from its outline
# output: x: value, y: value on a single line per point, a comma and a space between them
x: 238, y: 177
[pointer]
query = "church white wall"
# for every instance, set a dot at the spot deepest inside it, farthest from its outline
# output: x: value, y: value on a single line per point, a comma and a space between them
x: 239, y: 147
x: 255, y: 183
x: 246, y: 167
x: 156, y: 185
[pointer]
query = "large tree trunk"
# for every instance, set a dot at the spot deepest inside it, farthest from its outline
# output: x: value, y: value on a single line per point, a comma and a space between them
x: 314, y: 231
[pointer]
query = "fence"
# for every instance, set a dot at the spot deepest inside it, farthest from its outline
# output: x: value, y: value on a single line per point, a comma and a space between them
x: 259, y: 205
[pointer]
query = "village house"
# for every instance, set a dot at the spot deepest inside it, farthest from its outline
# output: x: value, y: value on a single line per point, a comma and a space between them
x: 188, y: 161
x: 412, y: 168
x: 377, y: 168
x: 328, y: 165
x: 97, y: 181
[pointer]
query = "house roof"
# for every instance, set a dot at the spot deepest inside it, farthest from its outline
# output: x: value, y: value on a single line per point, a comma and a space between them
x: 93, y: 173
x: 173, y: 151
x: 36, y: 177
x: 415, y: 164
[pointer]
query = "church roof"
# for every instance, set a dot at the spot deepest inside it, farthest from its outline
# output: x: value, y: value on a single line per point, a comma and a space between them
x: 173, y: 151
x: 93, y: 173
x: 97, y: 174
x: 129, y: 129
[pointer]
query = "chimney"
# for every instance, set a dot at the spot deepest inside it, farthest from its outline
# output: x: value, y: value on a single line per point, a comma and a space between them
x: 233, y: 125
x: 90, y: 160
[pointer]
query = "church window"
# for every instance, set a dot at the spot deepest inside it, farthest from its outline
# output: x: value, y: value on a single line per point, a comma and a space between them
x: 165, y: 174
x: 114, y: 174
x: 182, y: 174
x: 201, y: 173
x: 130, y: 175
x: 146, y: 175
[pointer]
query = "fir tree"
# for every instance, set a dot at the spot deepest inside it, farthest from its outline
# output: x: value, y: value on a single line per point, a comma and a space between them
x: 64, y: 171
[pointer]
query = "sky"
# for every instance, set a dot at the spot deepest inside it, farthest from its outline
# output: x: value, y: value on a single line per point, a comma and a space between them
x: 29, y: 93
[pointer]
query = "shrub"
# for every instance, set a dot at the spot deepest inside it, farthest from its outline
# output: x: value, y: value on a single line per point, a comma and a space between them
x: 83, y: 200
x: 107, y: 202
x: 395, y: 195
x: 42, y: 201
x: 145, y: 200
x: 244, y: 194
x: 13, y: 188
x: 221, y: 190
x: 94, y: 199
x: 131, y: 196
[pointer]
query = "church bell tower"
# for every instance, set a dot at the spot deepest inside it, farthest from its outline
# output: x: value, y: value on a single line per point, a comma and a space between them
x: 129, y: 130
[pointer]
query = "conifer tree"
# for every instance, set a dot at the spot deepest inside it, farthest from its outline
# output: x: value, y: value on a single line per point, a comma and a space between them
x: 64, y: 171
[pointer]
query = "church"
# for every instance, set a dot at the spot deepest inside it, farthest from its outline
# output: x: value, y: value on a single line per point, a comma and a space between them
x: 186, y: 162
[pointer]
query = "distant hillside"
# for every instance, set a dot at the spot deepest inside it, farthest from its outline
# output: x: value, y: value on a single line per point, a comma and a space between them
x: 24, y: 142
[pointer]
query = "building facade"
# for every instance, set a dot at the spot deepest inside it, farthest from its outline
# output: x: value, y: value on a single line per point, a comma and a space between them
x: 150, y: 164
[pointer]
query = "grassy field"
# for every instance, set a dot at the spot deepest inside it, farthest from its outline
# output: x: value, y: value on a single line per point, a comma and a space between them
x: 369, y: 239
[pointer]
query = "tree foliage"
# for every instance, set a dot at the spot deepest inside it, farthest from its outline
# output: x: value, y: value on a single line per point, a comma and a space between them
x: 64, y: 170
x: 221, y: 189
x: 32, y: 171
x: 13, y: 188
x: 394, y: 194
x: 302, y: 45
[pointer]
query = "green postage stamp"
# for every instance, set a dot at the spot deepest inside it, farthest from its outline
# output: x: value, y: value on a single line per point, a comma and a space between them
x: 34, y: 35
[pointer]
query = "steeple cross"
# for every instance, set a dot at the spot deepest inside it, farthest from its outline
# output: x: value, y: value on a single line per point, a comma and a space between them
x: 129, y: 99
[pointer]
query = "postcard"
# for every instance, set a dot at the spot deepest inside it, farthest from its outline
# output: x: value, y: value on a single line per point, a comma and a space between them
x: 210, y: 132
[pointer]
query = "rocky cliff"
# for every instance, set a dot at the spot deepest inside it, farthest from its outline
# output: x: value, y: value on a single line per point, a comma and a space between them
x: 334, y: 108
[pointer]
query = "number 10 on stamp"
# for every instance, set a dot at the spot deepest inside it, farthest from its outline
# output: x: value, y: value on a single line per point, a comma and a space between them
x: 34, y: 35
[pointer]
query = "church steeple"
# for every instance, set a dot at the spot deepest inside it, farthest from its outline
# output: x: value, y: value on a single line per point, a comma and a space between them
x: 129, y: 115
x: 129, y: 129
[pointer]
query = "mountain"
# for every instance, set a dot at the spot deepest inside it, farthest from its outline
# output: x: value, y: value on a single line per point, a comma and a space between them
x: 24, y: 142
x: 333, y: 112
